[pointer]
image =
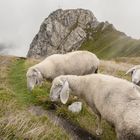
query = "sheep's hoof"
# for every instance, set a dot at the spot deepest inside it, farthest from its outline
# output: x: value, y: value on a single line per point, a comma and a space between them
x: 99, y: 132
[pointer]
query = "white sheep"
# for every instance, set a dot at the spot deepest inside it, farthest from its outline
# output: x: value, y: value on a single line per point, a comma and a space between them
x: 115, y: 99
x: 135, y: 74
x: 75, y: 63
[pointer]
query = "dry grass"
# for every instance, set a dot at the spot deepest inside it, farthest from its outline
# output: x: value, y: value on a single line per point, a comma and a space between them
x: 130, y: 60
x: 23, y: 125
x: 114, y: 68
x: 31, y: 62
x: 4, y: 67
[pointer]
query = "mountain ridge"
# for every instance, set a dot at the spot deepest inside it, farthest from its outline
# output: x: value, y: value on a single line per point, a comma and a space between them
x: 68, y: 30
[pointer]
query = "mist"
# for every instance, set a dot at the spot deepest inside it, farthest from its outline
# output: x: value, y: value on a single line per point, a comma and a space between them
x: 20, y: 20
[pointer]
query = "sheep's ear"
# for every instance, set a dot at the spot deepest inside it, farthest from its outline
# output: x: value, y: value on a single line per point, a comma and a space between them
x: 38, y: 76
x: 64, y: 94
x: 130, y: 70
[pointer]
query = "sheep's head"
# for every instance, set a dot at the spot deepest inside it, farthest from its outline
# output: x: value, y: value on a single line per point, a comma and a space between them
x: 34, y: 77
x: 60, y: 90
x: 135, y: 73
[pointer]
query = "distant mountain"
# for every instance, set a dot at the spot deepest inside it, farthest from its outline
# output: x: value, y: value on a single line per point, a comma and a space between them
x: 68, y: 30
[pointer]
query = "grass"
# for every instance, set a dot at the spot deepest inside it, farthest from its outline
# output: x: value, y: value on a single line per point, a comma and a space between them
x: 110, y: 43
x: 18, y: 81
x: 23, y: 125
x: 17, y: 121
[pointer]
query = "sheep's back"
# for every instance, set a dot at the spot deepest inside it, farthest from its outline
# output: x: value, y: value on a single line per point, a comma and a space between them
x: 74, y: 63
x: 80, y: 63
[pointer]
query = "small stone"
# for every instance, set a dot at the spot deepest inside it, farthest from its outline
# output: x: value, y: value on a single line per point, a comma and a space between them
x: 75, y: 107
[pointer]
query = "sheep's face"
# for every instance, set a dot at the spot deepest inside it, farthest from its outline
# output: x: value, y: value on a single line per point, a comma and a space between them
x: 59, y: 90
x: 34, y: 77
x: 55, y: 90
x: 136, y: 76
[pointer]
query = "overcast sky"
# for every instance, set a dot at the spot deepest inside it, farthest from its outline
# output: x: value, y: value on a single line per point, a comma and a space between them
x: 20, y: 19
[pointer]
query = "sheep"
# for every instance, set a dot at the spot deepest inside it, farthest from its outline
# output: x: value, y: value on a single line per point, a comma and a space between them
x: 75, y: 63
x: 135, y: 73
x: 114, y: 99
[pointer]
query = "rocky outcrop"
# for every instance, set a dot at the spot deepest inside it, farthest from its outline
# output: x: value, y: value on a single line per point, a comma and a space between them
x: 61, y: 32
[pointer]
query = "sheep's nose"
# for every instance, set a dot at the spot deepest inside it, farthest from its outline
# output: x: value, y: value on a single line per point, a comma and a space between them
x: 51, y: 98
x: 30, y: 88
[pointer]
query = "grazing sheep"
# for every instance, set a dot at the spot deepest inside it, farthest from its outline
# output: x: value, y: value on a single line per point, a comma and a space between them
x: 115, y: 99
x: 135, y: 73
x: 75, y: 63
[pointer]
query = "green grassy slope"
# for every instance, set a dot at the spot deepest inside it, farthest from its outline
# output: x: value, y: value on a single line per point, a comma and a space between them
x: 109, y: 43
x: 16, y: 120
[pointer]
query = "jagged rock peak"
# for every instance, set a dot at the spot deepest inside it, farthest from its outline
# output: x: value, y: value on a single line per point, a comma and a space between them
x: 62, y: 31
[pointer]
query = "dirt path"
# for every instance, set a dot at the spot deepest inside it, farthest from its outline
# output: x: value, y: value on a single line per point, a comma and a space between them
x: 76, y: 132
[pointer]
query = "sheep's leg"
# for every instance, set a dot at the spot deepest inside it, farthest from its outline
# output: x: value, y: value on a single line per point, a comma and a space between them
x: 96, y: 71
x: 99, y: 130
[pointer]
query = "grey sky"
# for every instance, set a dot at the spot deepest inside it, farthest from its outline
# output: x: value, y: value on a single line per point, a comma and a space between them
x: 20, y: 19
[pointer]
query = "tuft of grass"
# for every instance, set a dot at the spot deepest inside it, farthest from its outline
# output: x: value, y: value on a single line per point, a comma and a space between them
x: 24, y: 125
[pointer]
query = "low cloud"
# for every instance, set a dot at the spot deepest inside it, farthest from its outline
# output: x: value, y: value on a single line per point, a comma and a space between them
x: 6, y: 49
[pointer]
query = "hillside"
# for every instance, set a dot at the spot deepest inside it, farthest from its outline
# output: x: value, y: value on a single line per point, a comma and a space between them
x: 67, y: 30
x: 25, y: 115
x: 107, y: 42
